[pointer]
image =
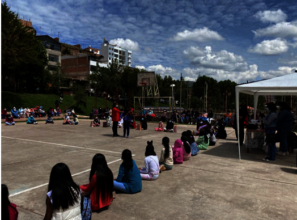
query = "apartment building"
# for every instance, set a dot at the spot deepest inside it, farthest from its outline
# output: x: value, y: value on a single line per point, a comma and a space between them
x: 53, y: 51
x: 113, y: 52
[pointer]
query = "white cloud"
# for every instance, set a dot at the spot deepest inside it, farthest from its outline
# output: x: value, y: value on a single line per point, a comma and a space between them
x: 203, y: 34
x: 223, y: 60
x: 271, y: 16
x: 270, y: 47
x: 164, y: 71
x: 140, y: 67
x: 126, y: 44
x: 283, y: 30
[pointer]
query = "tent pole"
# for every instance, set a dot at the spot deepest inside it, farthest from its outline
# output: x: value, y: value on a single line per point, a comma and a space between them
x: 237, y: 121
x: 256, y: 96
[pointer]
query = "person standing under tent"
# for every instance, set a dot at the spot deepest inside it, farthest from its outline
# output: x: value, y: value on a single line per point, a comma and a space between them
x: 115, y: 119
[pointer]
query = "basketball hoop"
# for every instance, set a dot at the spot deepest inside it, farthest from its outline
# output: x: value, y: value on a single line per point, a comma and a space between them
x: 142, y: 83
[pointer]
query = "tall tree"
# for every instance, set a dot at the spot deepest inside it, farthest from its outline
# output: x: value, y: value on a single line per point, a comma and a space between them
x: 23, y: 56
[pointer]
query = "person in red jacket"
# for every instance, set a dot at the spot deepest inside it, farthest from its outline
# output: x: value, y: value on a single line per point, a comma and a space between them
x: 100, y: 187
x: 115, y: 119
x: 8, y: 209
x: 3, y: 113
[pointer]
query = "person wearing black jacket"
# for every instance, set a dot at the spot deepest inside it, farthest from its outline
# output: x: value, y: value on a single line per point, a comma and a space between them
x: 169, y: 126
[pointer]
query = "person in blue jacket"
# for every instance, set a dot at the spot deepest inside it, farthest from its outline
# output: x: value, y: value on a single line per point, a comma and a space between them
x: 14, y: 112
x: 127, y: 120
x: 31, y: 120
x: 129, y: 179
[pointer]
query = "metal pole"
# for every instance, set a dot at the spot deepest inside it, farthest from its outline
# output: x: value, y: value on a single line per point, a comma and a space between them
x: 181, y: 82
x: 172, y: 99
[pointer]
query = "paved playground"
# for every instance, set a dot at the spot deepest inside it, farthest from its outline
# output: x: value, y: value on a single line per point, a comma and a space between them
x: 212, y: 185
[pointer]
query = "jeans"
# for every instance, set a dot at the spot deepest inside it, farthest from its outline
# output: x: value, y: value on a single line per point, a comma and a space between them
x: 226, y: 121
x: 272, y: 147
x: 182, y: 119
x: 120, y: 186
x: 283, y: 135
x: 115, y: 128
x: 126, y: 128
x: 12, y: 123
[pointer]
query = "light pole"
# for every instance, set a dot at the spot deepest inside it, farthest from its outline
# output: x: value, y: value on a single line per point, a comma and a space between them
x: 172, y: 85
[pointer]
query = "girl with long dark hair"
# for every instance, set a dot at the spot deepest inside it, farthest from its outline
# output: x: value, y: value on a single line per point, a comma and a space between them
x: 166, y: 158
x: 203, y: 141
x: 63, y: 197
x: 101, y: 183
x: 151, y: 161
x: 191, y: 139
x: 186, y: 148
x: 8, y: 209
x: 129, y: 179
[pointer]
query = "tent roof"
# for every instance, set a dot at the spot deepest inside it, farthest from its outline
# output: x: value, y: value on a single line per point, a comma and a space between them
x: 283, y: 85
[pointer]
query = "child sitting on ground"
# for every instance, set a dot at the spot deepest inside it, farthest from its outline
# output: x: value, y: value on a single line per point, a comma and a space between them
x: 203, y: 141
x: 178, y: 153
x: 49, y: 119
x: 169, y: 126
x: 166, y: 158
x: 194, y: 148
x: 96, y: 122
x: 75, y: 118
x: 108, y: 121
x: 186, y: 148
x: 160, y: 127
x: 67, y: 121
x: 212, y: 138
x: 151, y: 161
x: 31, y: 120
x: 9, y: 120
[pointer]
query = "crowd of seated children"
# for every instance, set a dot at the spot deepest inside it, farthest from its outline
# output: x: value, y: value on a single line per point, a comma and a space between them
x: 31, y: 120
x: 166, y: 158
x: 9, y: 120
x: 151, y: 161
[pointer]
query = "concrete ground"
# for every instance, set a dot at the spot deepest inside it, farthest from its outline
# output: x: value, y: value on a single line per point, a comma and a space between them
x: 211, y: 185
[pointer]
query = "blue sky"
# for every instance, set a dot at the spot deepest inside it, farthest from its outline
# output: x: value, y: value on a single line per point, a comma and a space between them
x: 238, y: 40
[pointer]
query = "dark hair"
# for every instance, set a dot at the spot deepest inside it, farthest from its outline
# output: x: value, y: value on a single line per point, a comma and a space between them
x: 271, y: 106
x: 186, y: 144
x: 127, y: 159
x: 203, y: 133
x: 104, y: 176
x: 165, y: 142
x: 65, y: 191
x: 4, y: 202
x: 150, y: 151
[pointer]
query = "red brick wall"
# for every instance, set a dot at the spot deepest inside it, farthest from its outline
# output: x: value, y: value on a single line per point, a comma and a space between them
x: 78, y: 67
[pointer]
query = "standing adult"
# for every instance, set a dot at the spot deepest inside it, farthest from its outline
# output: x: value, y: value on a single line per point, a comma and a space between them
x: 284, y: 126
x: 115, y: 119
x: 270, y: 125
x: 127, y: 120
x: 243, y: 113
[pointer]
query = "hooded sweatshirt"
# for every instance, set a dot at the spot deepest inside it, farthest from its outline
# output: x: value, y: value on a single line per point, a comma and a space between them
x: 178, y: 153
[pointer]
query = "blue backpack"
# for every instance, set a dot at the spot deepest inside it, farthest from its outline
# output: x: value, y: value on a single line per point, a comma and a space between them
x: 86, y: 211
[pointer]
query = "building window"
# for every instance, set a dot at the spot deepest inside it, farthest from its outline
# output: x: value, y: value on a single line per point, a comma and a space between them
x: 53, y: 58
x: 52, y: 68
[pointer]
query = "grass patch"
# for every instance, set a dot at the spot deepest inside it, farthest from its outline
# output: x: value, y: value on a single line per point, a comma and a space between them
x: 10, y: 100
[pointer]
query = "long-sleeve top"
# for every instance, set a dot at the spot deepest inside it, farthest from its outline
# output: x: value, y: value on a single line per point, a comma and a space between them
x: 97, y: 203
x: 178, y: 155
x: 151, y: 165
x: 284, y: 121
x: 130, y: 178
x: 201, y: 144
x: 31, y: 120
x: 169, y: 159
x: 270, y: 120
x: 115, y: 114
x: 96, y: 120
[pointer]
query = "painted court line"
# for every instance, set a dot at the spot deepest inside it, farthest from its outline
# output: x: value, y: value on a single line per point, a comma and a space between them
x: 63, y: 145
x: 39, y: 186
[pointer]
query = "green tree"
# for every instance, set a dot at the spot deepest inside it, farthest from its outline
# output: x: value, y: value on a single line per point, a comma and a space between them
x: 80, y: 96
x: 23, y: 56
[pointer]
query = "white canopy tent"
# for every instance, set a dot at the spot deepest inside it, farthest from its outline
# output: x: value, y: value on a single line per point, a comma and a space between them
x: 283, y: 85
